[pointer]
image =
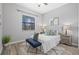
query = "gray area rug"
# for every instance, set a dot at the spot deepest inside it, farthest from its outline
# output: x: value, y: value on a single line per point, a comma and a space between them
x: 58, y: 51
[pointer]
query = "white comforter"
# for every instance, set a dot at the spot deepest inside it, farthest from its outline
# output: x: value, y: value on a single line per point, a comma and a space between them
x: 49, y: 42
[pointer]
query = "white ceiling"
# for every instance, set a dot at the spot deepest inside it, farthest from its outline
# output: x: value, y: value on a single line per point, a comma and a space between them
x: 43, y: 8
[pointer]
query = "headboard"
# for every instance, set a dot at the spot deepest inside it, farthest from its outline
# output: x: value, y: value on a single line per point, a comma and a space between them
x: 53, y: 29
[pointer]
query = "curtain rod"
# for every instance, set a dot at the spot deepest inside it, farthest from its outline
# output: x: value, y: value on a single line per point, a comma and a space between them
x: 25, y: 12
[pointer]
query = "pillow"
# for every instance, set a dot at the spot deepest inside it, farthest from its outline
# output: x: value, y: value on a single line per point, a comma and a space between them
x: 50, y: 32
x: 46, y: 33
x: 36, y: 36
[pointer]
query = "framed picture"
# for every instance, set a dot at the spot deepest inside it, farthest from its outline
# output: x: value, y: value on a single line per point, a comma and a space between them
x: 28, y: 22
x: 55, y: 21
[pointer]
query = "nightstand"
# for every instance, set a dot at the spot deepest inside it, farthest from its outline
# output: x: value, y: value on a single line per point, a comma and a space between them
x: 65, y: 39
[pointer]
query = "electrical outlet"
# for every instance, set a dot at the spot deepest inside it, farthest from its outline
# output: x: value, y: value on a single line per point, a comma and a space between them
x: 0, y: 16
x: 0, y: 23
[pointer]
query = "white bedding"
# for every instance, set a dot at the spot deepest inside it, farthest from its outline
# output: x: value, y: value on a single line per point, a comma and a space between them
x: 49, y: 42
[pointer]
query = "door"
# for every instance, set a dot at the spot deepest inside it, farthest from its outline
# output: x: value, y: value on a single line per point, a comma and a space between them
x: 0, y: 28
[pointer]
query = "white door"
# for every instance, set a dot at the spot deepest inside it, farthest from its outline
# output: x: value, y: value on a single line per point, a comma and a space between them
x: 78, y: 25
x: 0, y: 29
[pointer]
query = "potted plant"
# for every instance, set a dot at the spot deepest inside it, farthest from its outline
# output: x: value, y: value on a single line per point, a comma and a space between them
x: 5, y: 39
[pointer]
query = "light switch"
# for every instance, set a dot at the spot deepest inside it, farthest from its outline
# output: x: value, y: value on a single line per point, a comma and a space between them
x: 0, y: 19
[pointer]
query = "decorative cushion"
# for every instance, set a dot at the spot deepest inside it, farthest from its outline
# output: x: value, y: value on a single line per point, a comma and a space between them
x: 51, y: 32
x: 36, y: 36
x: 33, y: 43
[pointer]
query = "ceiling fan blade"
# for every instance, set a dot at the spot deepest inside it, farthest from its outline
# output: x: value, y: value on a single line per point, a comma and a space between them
x: 45, y: 3
x: 42, y: 3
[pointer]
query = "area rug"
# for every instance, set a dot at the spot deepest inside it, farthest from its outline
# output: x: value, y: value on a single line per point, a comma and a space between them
x: 58, y: 50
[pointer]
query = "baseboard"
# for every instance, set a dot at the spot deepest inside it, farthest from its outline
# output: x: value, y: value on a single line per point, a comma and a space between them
x: 74, y: 44
x: 10, y: 43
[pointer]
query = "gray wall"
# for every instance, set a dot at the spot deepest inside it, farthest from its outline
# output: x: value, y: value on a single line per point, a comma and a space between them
x: 0, y: 28
x: 12, y: 22
x: 13, y: 26
x: 66, y: 14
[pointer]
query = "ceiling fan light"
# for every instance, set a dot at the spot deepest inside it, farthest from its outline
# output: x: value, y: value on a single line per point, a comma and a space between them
x: 38, y: 5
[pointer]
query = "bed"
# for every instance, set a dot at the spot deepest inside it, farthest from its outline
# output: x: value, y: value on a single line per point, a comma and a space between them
x: 49, y: 41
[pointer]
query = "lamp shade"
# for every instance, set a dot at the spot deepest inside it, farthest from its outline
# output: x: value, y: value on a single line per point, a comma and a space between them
x: 67, y: 29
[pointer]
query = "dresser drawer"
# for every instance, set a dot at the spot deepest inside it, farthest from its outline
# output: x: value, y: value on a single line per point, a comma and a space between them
x: 66, y: 39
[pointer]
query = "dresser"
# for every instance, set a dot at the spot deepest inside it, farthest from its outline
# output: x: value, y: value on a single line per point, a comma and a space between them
x: 65, y: 39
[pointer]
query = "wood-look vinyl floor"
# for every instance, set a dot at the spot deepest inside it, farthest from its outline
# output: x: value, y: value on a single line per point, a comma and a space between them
x: 22, y: 49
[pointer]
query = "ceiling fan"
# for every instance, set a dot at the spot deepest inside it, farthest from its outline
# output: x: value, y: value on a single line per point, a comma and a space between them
x: 43, y: 4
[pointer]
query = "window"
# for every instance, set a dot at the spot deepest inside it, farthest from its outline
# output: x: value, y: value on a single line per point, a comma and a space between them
x: 28, y: 23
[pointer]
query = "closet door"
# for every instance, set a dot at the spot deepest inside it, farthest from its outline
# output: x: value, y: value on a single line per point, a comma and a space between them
x: 78, y: 25
x: 0, y: 29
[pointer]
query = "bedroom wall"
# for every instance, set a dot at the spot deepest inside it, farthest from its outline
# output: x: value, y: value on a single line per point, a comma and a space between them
x: 0, y: 28
x: 66, y: 14
x: 12, y: 22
